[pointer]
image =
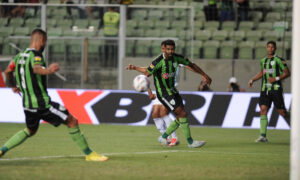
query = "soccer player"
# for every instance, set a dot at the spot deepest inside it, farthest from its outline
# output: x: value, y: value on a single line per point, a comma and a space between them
x: 273, y: 69
x: 160, y: 113
x: 30, y: 80
x: 163, y: 68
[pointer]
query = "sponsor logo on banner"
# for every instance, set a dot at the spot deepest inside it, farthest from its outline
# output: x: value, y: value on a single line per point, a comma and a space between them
x: 228, y: 110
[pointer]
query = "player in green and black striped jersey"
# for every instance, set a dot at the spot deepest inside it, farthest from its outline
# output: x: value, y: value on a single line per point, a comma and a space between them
x: 273, y: 70
x: 30, y: 73
x: 163, y: 69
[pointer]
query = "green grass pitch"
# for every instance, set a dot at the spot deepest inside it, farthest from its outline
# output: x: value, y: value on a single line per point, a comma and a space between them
x: 135, y: 154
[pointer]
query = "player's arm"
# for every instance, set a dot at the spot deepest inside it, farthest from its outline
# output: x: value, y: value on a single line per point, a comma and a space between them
x: 10, y: 77
x: 255, y: 78
x: 139, y: 69
x: 189, y: 68
x: 195, y: 68
x: 38, y: 69
x: 151, y: 95
x: 285, y: 74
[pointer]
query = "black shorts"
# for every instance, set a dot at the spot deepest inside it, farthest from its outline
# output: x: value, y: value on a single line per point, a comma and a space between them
x: 266, y: 98
x: 55, y: 115
x: 171, y: 102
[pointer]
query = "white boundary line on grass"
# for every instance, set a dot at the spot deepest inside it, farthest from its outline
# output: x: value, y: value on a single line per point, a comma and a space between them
x: 134, y: 153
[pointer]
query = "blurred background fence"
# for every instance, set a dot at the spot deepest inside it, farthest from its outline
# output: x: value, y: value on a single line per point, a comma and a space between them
x: 231, y: 34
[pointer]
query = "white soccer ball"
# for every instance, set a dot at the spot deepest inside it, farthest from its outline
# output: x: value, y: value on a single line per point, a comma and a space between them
x: 141, y: 83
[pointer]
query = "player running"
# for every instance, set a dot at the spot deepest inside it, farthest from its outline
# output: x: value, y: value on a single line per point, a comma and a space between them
x: 163, y: 68
x: 30, y: 71
x: 273, y: 70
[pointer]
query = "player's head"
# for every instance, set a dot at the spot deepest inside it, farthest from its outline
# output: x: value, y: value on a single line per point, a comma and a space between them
x: 163, y: 46
x: 271, y: 47
x: 169, y: 48
x: 39, y: 39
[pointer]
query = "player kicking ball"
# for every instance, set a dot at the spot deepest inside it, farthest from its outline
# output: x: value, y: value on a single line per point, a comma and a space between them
x: 163, y: 68
x: 30, y: 71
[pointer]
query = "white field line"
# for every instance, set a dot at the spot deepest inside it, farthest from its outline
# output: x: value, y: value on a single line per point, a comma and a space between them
x: 137, y: 153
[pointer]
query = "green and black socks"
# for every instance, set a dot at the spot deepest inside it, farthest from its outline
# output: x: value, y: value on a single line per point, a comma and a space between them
x: 15, y: 140
x: 184, y: 126
x: 79, y: 139
x: 263, y: 125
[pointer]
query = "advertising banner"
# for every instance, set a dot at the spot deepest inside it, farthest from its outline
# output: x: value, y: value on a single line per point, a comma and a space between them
x: 228, y: 110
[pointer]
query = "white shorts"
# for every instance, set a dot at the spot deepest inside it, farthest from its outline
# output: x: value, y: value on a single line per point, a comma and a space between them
x: 156, y: 102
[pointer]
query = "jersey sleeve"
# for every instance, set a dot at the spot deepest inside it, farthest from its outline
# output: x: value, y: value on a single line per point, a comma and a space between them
x: 282, y: 63
x: 183, y: 60
x: 154, y: 66
x: 37, y: 58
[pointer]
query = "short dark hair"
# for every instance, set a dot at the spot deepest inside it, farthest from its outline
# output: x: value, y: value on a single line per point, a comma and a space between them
x: 163, y: 43
x: 39, y: 31
x: 272, y: 42
x: 170, y: 42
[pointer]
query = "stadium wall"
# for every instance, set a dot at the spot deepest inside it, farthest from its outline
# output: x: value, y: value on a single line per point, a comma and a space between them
x: 227, y: 110
x: 219, y: 70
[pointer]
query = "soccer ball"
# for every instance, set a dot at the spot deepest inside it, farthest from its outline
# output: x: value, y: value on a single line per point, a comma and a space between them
x: 141, y: 83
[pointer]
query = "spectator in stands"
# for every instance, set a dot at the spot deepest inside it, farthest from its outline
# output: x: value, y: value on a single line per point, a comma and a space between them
x: 111, y: 20
x: 129, y: 10
x: 125, y: 2
x: 210, y: 10
x: 233, y: 86
x: 204, y: 87
x: 100, y: 10
x: 15, y: 11
x: 82, y: 10
x: 242, y: 9
x: 227, y: 12
x: 32, y: 9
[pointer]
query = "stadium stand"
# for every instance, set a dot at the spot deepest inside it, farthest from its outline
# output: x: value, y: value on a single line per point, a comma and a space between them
x: 211, y: 39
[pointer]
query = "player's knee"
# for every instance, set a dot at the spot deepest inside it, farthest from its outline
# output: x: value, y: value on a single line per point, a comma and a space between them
x: 30, y: 132
x: 163, y: 112
x: 182, y: 114
x: 282, y: 112
x: 155, y: 112
x: 71, y: 121
x: 263, y: 111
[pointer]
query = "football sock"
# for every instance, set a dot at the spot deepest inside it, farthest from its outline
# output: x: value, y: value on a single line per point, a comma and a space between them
x: 173, y: 126
x: 263, y: 125
x: 160, y: 125
x: 287, y: 117
x: 186, y: 129
x: 168, y: 121
x: 79, y: 139
x: 15, y: 140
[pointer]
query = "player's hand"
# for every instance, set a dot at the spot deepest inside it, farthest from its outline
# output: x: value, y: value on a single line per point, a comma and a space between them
x: 152, y: 96
x: 131, y: 67
x: 207, y: 80
x: 53, y: 68
x: 272, y: 79
x: 16, y: 90
x: 250, y: 83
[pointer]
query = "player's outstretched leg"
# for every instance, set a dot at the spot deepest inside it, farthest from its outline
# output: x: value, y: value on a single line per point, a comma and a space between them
x: 14, y: 141
x: 80, y: 140
x: 263, y: 129
x: 174, y: 140
x: 173, y: 126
